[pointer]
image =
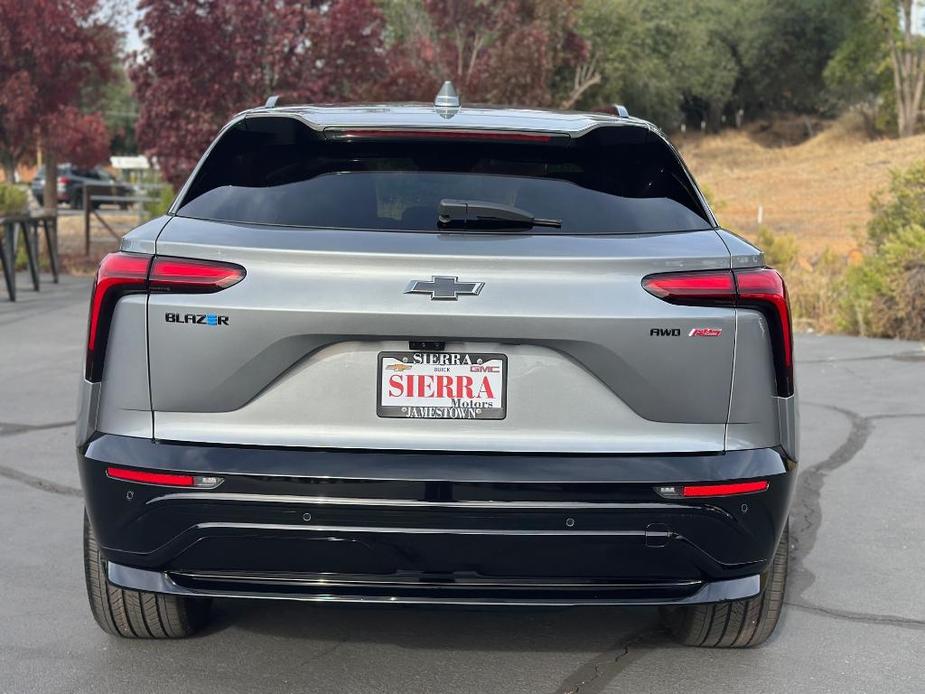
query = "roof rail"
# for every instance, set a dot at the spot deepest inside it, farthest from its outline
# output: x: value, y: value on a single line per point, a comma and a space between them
x: 272, y: 101
x: 621, y: 111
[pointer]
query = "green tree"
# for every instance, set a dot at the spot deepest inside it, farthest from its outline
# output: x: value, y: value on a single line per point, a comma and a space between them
x: 785, y: 46
x: 661, y: 56
x: 907, y: 55
x: 859, y: 74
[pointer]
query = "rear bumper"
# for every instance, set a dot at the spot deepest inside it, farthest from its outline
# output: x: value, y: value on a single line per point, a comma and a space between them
x: 435, y: 527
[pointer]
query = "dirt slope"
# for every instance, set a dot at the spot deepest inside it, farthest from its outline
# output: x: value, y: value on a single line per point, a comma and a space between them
x: 818, y: 190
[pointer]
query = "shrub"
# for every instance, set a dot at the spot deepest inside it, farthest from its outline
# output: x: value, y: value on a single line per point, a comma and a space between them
x: 900, y: 206
x: 885, y: 294
x: 780, y: 250
x: 160, y: 203
x: 14, y: 200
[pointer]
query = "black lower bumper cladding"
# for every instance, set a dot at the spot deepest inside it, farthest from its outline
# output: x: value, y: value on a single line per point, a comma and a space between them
x: 462, y: 528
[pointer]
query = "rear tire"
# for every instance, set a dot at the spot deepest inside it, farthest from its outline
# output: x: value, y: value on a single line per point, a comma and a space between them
x: 738, y: 623
x: 136, y: 614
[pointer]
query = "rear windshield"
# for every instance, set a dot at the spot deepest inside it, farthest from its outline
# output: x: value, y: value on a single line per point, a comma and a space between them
x: 278, y: 171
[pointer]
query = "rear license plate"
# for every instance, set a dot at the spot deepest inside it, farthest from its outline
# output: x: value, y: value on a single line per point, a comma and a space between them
x: 442, y: 385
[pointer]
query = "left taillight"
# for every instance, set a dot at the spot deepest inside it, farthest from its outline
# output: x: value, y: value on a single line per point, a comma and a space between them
x: 188, y: 276
x: 119, y: 274
x: 127, y: 273
x: 761, y: 289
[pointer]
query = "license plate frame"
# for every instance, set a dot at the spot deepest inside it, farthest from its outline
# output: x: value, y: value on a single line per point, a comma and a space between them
x: 462, y: 411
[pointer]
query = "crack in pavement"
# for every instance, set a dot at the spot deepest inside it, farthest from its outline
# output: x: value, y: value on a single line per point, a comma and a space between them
x: 597, y: 673
x: 807, y: 510
x: 38, y: 482
x: 11, y: 429
x: 896, y: 356
x: 866, y: 617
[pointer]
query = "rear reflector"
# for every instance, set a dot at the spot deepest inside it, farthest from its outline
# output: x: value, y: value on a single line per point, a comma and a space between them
x: 439, y: 134
x: 724, y: 489
x: 678, y: 491
x: 761, y: 289
x: 126, y: 273
x: 165, y: 479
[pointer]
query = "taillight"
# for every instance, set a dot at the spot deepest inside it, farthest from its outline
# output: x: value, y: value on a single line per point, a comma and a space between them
x: 119, y: 274
x: 764, y: 290
x: 193, y: 276
x: 760, y: 289
x: 693, y: 288
x: 63, y: 180
x: 126, y: 273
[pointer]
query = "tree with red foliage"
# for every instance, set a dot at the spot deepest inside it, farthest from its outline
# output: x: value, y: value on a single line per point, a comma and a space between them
x: 207, y: 59
x: 49, y: 50
x: 81, y: 138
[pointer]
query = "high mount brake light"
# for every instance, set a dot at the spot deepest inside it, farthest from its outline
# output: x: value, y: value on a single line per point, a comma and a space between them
x: 130, y: 273
x: 760, y: 289
x: 439, y: 134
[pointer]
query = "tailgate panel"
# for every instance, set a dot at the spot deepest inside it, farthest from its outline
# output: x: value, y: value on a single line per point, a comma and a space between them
x: 595, y: 363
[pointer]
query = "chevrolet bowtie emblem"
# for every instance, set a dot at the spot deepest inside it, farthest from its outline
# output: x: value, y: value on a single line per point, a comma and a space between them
x: 443, y: 288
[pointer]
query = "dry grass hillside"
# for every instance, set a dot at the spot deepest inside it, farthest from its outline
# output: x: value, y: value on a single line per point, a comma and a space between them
x: 818, y: 190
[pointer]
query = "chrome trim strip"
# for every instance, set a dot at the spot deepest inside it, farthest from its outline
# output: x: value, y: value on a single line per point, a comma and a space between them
x: 407, y: 503
x: 414, y: 531
x: 346, y: 581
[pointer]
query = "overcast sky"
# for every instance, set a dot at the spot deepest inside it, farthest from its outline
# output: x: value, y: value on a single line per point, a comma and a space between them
x: 125, y: 14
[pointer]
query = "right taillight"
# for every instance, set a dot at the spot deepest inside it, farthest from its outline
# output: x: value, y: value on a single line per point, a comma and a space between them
x: 126, y: 273
x: 763, y: 289
x: 760, y: 289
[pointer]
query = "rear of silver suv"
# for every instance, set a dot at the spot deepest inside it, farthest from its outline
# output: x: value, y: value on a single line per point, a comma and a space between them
x: 400, y: 354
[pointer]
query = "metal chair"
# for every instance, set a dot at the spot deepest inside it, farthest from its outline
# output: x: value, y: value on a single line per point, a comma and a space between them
x: 28, y: 228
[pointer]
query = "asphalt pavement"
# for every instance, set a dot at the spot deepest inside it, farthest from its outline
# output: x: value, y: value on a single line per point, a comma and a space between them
x: 854, y: 621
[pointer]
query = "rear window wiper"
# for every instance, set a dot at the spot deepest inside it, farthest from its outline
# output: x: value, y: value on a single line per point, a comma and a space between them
x: 477, y: 214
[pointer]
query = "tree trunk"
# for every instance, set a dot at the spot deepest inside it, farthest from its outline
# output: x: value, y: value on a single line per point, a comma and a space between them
x: 9, y: 169
x: 51, y: 182
x: 907, y: 53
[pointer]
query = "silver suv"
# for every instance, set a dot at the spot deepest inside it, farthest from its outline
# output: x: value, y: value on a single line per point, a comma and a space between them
x: 438, y: 354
